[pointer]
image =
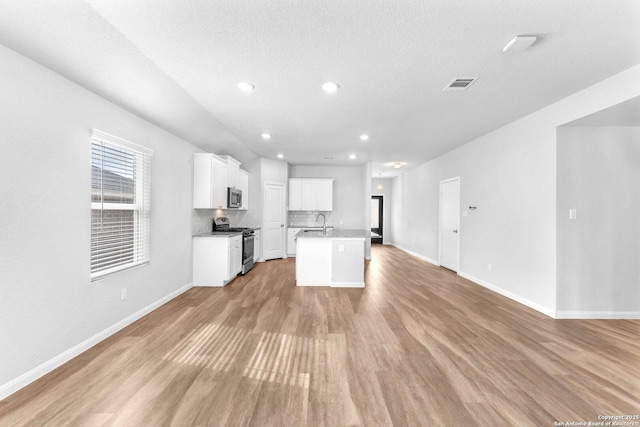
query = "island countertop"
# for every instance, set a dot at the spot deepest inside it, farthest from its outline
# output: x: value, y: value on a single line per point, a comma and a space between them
x: 335, y: 234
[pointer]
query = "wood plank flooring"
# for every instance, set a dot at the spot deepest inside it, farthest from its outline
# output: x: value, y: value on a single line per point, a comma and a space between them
x: 419, y: 346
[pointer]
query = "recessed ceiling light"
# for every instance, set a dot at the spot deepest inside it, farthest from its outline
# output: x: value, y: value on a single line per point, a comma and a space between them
x: 397, y: 165
x: 364, y: 137
x: 246, y: 87
x: 330, y: 87
x: 519, y: 43
x: 266, y: 136
x: 352, y: 156
x: 280, y: 156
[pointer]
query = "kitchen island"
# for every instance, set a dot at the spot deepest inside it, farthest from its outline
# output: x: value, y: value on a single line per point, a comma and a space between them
x: 332, y: 258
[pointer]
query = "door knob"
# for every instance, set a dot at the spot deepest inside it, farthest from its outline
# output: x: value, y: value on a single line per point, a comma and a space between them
x: 455, y: 231
x: 281, y: 225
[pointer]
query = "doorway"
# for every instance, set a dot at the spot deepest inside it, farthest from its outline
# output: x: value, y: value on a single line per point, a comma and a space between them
x: 450, y: 223
x: 377, y: 213
x: 274, y: 214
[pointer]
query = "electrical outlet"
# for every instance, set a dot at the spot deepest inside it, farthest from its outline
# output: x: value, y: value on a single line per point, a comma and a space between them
x: 488, y: 267
x: 341, y: 222
x: 123, y: 294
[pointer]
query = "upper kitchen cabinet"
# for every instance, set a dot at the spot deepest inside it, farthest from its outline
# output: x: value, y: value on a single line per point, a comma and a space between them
x: 243, y: 185
x: 295, y: 194
x: 209, y: 181
x: 233, y: 172
x: 310, y: 194
x: 324, y: 195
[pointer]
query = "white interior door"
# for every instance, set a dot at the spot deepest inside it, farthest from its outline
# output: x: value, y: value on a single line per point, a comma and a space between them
x: 274, y: 231
x: 450, y: 223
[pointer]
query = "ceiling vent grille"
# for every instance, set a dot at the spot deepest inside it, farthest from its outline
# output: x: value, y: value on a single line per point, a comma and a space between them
x: 460, y: 83
x: 329, y: 157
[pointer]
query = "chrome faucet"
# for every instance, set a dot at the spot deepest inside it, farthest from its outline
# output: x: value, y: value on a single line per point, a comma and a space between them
x: 324, y: 223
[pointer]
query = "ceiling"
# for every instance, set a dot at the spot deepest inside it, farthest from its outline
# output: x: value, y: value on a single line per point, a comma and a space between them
x: 177, y: 64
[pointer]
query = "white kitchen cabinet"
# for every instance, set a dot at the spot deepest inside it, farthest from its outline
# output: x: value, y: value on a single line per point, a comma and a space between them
x: 233, y: 172
x: 325, y: 195
x: 310, y: 194
x: 235, y: 255
x: 257, y: 245
x: 209, y: 181
x: 295, y: 194
x: 217, y: 259
x: 291, y: 240
x: 244, y: 187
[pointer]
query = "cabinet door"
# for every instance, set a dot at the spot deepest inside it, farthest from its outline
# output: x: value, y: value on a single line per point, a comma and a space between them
x: 233, y: 173
x: 325, y: 195
x: 257, y: 246
x: 291, y: 240
x: 309, y: 195
x: 244, y: 187
x: 202, y: 181
x: 295, y: 195
x: 218, y: 184
x: 235, y: 255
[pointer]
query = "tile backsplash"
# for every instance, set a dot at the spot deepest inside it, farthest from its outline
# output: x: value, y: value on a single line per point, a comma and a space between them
x: 307, y: 218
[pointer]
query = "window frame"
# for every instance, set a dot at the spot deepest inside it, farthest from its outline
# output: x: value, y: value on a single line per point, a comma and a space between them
x: 141, y: 207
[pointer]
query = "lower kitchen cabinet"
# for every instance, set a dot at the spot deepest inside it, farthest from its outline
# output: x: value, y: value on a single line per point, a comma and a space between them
x: 291, y: 240
x: 257, y: 245
x: 217, y: 259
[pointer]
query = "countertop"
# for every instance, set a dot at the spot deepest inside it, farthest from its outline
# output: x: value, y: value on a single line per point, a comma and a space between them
x: 218, y: 234
x: 337, y: 234
x: 309, y: 227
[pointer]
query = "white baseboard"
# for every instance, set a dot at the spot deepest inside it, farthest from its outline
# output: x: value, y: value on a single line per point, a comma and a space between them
x: 517, y: 298
x: 597, y: 315
x: 417, y: 255
x: 48, y: 366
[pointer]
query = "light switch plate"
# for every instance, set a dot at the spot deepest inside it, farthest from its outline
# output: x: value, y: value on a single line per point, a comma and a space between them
x: 572, y: 214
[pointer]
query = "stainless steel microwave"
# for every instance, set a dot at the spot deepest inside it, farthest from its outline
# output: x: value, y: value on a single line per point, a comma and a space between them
x: 234, y: 198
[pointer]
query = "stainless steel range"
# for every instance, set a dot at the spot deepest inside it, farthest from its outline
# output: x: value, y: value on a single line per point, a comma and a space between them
x: 221, y: 224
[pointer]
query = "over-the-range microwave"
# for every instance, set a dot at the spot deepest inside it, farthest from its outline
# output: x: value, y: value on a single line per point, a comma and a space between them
x: 234, y: 198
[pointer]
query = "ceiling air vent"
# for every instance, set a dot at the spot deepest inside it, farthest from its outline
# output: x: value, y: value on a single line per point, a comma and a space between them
x: 329, y: 157
x: 460, y: 83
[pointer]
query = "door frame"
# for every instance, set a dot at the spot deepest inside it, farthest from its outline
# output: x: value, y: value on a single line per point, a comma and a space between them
x: 283, y: 211
x: 444, y: 181
x: 380, y: 216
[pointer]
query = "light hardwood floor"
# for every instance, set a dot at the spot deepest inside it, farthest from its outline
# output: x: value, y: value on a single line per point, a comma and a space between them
x: 419, y: 346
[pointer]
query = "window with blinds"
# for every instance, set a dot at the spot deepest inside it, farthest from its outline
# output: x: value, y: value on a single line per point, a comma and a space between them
x: 120, y: 204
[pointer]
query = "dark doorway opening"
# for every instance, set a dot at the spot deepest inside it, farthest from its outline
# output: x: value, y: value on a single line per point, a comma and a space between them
x: 376, y: 217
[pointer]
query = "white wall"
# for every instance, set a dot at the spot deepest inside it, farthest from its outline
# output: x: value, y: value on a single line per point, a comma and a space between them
x: 510, y: 175
x: 599, y: 252
x: 349, y: 192
x: 387, y: 205
x: 47, y: 302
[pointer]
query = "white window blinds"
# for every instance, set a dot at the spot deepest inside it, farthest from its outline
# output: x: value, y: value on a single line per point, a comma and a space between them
x: 120, y: 204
